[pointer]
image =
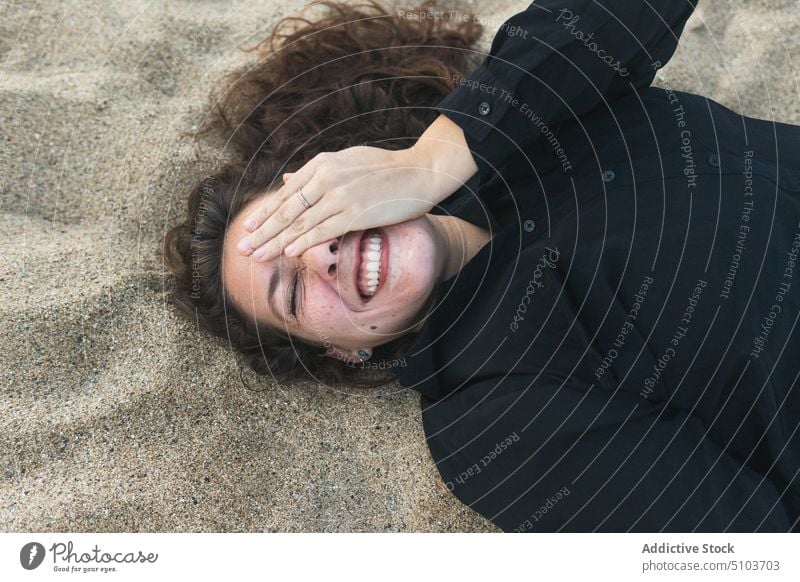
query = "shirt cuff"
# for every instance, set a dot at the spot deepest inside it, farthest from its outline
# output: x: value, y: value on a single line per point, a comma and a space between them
x: 477, y: 104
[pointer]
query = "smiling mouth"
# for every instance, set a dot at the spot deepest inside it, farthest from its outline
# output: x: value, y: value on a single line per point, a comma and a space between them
x: 371, y: 263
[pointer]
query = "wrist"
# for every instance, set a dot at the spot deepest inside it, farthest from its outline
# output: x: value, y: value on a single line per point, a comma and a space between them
x: 443, y: 150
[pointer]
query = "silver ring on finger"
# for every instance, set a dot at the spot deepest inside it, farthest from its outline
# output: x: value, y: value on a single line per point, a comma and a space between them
x: 303, y: 198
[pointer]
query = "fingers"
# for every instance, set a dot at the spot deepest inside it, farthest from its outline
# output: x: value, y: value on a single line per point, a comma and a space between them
x: 331, y: 228
x: 286, y: 217
x: 288, y: 220
x: 308, y: 221
x: 274, y: 214
x: 292, y: 183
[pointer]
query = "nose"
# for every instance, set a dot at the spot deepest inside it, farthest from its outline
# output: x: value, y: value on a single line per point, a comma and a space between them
x: 323, y: 259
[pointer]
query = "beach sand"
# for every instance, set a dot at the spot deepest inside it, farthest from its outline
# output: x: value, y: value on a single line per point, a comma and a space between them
x: 116, y: 414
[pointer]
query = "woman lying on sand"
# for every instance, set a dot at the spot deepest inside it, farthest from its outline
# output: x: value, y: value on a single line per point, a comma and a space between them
x: 590, y: 281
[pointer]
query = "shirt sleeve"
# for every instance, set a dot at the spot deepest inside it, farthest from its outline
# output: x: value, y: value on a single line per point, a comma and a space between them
x: 556, y: 458
x: 555, y: 61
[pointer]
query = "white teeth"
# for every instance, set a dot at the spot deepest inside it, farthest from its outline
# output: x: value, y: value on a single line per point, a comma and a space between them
x: 370, y: 268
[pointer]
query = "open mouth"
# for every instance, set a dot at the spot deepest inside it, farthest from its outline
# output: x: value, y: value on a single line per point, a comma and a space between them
x: 371, y: 267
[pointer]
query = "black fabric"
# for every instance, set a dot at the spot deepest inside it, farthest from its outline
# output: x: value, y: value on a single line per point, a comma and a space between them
x: 622, y: 356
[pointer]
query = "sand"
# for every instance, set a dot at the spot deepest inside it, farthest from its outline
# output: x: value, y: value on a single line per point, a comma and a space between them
x: 118, y: 415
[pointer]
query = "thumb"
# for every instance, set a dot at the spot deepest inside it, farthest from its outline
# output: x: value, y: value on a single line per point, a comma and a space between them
x: 287, y: 175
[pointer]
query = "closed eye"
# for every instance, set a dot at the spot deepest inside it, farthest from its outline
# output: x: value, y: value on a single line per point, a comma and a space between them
x: 294, y: 289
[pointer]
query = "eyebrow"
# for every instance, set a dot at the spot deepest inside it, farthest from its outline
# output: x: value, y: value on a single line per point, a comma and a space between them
x: 275, y: 280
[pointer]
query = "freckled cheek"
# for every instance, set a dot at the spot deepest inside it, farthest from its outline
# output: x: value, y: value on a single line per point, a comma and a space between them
x: 325, y: 311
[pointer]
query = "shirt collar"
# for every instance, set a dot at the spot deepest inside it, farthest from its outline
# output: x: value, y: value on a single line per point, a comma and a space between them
x: 465, y: 203
x: 426, y: 358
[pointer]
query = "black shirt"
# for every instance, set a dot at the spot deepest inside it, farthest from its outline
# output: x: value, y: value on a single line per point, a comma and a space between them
x: 623, y: 355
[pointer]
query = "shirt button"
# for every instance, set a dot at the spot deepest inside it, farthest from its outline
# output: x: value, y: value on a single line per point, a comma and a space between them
x: 713, y: 160
x: 484, y: 108
x: 609, y: 175
x: 529, y: 225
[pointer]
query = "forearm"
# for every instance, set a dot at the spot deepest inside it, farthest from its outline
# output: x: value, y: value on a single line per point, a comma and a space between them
x: 564, y: 58
x: 443, y: 149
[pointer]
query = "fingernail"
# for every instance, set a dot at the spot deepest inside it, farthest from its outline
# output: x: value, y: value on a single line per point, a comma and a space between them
x: 260, y: 253
x: 250, y: 223
x: 291, y: 250
x: 244, y: 246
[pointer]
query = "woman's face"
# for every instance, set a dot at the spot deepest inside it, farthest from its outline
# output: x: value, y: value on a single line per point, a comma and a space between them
x: 330, y: 310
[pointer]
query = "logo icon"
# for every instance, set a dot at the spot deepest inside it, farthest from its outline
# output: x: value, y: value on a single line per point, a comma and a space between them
x: 31, y: 555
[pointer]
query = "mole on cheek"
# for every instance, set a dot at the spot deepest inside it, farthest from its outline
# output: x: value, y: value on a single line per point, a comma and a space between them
x: 373, y: 327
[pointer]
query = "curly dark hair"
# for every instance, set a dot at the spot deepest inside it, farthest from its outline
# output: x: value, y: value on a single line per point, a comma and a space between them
x: 358, y: 74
